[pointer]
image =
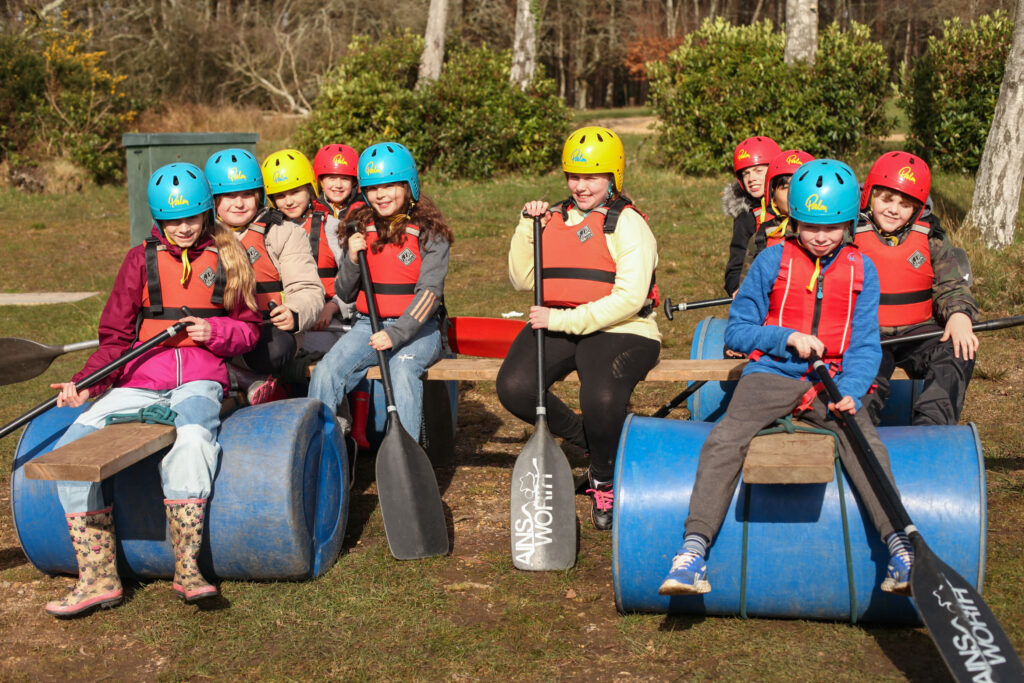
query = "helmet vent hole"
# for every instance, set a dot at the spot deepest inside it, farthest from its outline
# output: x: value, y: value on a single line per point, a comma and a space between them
x: 840, y: 179
x: 217, y: 160
x: 234, y: 159
x: 599, y: 138
x: 191, y: 174
x: 820, y: 182
x: 174, y: 180
x: 390, y: 149
x: 583, y: 138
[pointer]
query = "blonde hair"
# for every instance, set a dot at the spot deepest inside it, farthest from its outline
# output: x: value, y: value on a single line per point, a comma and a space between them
x: 240, y: 279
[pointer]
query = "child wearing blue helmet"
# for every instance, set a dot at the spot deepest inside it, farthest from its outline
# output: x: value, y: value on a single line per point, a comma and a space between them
x: 188, y: 261
x: 407, y: 243
x: 281, y: 258
x: 813, y: 294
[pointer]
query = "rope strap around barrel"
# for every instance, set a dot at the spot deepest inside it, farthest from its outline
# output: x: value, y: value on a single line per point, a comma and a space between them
x: 786, y: 425
x: 154, y: 414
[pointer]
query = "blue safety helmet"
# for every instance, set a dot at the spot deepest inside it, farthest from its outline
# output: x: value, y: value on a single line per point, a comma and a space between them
x: 388, y: 162
x: 233, y: 170
x: 178, y: 191
x: 824, y: 192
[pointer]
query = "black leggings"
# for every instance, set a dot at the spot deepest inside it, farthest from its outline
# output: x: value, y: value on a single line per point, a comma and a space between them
x: 609, y: 364
x: 274, y: 348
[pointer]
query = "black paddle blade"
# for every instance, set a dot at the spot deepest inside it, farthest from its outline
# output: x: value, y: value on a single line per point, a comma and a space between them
x: 410, y: 502
x: 543, y: 507
x: 967, y: 634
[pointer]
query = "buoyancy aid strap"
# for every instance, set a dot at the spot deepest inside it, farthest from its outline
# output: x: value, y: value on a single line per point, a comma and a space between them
x: 219, y: 283
x: 156, y: 302
x: 269, y: 287
x: 579, y: 274
x: 614, y: 210
x: 385, y: 288
x: 315, y: 225
x: 148, y: 313
x: 904, y: 298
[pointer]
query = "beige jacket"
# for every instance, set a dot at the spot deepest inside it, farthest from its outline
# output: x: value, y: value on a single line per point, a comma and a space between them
x: 288, y: 247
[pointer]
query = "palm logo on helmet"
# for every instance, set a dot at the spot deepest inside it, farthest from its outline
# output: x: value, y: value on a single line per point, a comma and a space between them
x: 823, y: 192
x: 178, y: 190
x: 595, y: 150
x: 907, y: 173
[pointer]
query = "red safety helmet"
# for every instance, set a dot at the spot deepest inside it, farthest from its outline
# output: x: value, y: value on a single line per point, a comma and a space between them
x: 785, y: 163
x: 753, y: 152
x: 336, y: 160
x: 900, y: 171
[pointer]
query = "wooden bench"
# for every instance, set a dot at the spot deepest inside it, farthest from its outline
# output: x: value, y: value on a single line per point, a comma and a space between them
x: 784, y: 458
x: 102, y: 453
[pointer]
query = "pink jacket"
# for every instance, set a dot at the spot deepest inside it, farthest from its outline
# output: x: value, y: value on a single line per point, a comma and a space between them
x: 163, y: 367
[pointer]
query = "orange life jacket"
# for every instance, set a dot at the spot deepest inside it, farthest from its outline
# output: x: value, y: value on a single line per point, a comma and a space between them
x: 326, y: 266
x: 268, y: 279
x: 826, y: 309
x: 395, y: 270
x: 577, y: 266
x: 164, y: 295
x: 905, y: 275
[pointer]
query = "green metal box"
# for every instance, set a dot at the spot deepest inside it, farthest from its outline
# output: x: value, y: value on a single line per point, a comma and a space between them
x: 146, y: 152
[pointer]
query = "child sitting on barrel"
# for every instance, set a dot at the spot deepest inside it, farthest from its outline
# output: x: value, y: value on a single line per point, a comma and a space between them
x: 815, y: 294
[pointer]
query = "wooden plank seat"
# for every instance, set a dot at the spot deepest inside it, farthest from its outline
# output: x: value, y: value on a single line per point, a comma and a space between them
x: 784, y: 458
x: 102, y: 453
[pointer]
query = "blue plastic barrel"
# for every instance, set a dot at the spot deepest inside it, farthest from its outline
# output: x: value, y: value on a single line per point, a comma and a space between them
x: 278, y: 509
x: 795, y: 553
x: 708, y: 403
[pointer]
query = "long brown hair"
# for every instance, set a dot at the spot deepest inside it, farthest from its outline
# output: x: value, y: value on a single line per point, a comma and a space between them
x: 424, y: 214
x: 241, y: 280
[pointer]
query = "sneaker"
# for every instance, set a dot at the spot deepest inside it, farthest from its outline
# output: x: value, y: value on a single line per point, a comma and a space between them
x: 266, y: 391
x: 601, y: 512
x: 688, y: 576
x: 897, y: 574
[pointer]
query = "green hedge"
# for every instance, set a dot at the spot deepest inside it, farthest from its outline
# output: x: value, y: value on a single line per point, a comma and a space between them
x: 471, y: 122
x: 726, y: 83
x: 950, y: 93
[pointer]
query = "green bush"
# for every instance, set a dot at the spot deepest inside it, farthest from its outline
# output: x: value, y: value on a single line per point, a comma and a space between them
x: 471, y: 122
x: 61, y: 102
x: 950, y: 93
x: 726, y: 83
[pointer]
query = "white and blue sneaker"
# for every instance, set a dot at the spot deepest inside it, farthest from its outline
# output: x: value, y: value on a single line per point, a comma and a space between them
x: 688, y: 576
x: 897, y: 574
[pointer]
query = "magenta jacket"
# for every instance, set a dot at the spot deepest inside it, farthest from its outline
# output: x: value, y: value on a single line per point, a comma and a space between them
x: 164, y: 367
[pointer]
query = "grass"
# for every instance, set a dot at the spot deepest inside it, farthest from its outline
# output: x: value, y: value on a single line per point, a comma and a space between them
x: 469, y: 615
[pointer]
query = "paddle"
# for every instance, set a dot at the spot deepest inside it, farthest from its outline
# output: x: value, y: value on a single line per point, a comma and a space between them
x: 483, y: 337
x: 100, y: 374
x: 542, y: 522
x: 966, y: 632
x: 984, y: 326
x: 671, y: 308
x: 23, y: 359
x: 410, y: 501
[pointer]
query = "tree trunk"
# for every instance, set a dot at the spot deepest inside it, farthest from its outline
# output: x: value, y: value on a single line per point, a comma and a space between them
x: 998, y: 182
x: 670, y: 18
x: 524, y: 45
x: 801, y: 31
x: 433, y: 49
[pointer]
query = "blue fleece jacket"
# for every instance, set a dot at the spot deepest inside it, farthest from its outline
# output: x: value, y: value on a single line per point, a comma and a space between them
x: 746, y: 330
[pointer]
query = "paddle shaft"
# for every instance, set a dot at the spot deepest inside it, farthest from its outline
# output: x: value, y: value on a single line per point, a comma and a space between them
x: 984, y: 326
x: 683, y: 395
x: 538, y: 300
x: 382, y: 357
x: 671, y: 308
x: 97, y: 376
x: 80, y: 346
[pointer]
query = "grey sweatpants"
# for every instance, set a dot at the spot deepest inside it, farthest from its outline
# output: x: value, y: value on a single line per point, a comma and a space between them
x: 760, y: 398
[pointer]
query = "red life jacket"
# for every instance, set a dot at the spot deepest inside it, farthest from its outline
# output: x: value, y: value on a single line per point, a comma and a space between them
x: 905, y: 275
x: 164, y: 295
x: 577, y: 266
x: 268, y: 279
x: 395, y: 270
x: 769, y: 233
x: 827, y: 308
x: 326, y: 266
x: 321, y: 204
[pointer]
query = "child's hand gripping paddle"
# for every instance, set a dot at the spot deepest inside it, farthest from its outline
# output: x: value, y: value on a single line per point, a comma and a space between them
x: 99, y: 375
x: 543, y: 500
x: 23, y: 359
x: 410, y: 502
x: 970, y: 639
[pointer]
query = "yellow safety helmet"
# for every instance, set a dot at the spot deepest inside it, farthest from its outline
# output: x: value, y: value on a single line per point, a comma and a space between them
x: 595, y: 149
x: 286, y: 170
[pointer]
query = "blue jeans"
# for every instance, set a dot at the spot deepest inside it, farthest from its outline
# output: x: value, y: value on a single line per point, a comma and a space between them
x: 345, y: 365
x: 188, y: 468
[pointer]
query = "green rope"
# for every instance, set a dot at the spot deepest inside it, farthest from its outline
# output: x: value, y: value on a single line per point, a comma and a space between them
x: 154, y: 414
x: 785, y: 424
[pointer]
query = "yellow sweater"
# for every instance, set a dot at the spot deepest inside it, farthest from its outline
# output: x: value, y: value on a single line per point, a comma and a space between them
x: 635, y: 252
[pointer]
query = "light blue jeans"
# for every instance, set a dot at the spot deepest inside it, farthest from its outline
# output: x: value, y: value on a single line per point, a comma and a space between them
x: 188, y: 468
x: 345, y: 365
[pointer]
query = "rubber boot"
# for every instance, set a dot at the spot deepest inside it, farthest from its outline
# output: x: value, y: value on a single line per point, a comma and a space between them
x: 360, y: 403
x: 92, y: 535
x: 185, y: 520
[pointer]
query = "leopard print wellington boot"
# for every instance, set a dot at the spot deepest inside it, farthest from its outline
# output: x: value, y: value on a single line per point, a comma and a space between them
x: 92, y: 535
x: 185, y: 520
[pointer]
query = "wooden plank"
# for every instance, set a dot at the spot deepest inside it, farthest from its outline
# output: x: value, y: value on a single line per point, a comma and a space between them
x: 672, y: 370
x: 102, y: 453
x: 783, y: 458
